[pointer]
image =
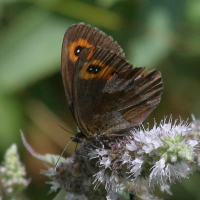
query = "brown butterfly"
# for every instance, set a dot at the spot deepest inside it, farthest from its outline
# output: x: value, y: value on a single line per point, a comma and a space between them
x: 106, y: 95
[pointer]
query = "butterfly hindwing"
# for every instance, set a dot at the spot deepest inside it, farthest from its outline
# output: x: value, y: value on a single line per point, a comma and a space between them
x: 110, y: 96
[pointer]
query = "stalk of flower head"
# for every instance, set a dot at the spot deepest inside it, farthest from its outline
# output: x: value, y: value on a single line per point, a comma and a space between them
x: 132, y: 164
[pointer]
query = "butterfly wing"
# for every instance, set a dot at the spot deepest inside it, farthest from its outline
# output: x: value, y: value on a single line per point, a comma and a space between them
x: 76, y: 38
x: 110, y: 96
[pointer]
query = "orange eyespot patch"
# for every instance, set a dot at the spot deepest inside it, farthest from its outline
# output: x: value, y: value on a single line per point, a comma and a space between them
x: 96, y: 69
x: 76, y: 47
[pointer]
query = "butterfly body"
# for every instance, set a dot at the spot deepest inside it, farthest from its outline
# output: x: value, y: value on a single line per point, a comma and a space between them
x: 106, y: 95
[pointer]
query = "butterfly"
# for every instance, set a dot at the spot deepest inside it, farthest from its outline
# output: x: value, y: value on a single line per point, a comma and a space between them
x: 106, y: 94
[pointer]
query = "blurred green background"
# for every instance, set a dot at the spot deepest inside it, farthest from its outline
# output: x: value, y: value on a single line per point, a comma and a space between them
x: 161, y: 34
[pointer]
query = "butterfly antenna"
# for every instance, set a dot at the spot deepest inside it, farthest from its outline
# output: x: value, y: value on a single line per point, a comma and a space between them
x: 66, y: 129
x: 62, y: 154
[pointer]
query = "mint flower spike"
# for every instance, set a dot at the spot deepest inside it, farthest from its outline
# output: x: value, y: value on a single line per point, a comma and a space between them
x: 13, y: 173
x: 148, y: 157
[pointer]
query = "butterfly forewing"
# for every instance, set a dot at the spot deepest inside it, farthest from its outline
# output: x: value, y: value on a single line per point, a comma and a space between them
x: 76, y: 38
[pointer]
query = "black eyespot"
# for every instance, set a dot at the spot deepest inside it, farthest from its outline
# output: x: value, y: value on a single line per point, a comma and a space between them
x: 90, y: 69
x: 94, y: 69
x: 78, y: 50
x: 114, y: 73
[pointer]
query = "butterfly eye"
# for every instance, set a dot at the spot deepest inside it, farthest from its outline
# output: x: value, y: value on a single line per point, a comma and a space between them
x: 93, y: 69
x: 114, y: 73
x: 78, y: 50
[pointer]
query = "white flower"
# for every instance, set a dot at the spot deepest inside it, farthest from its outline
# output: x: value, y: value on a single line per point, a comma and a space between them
x: 105, y: 161
x: 126, y: 158
x: 95, y: 153
x: 192, y: 143
x: 158, y: 170
x: 136, y: 167
x: 131, y: 146
x: 149, y: 139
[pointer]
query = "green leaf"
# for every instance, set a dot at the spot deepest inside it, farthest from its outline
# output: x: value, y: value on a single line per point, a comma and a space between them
x: 155, y: 45
x: 30, y: 49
